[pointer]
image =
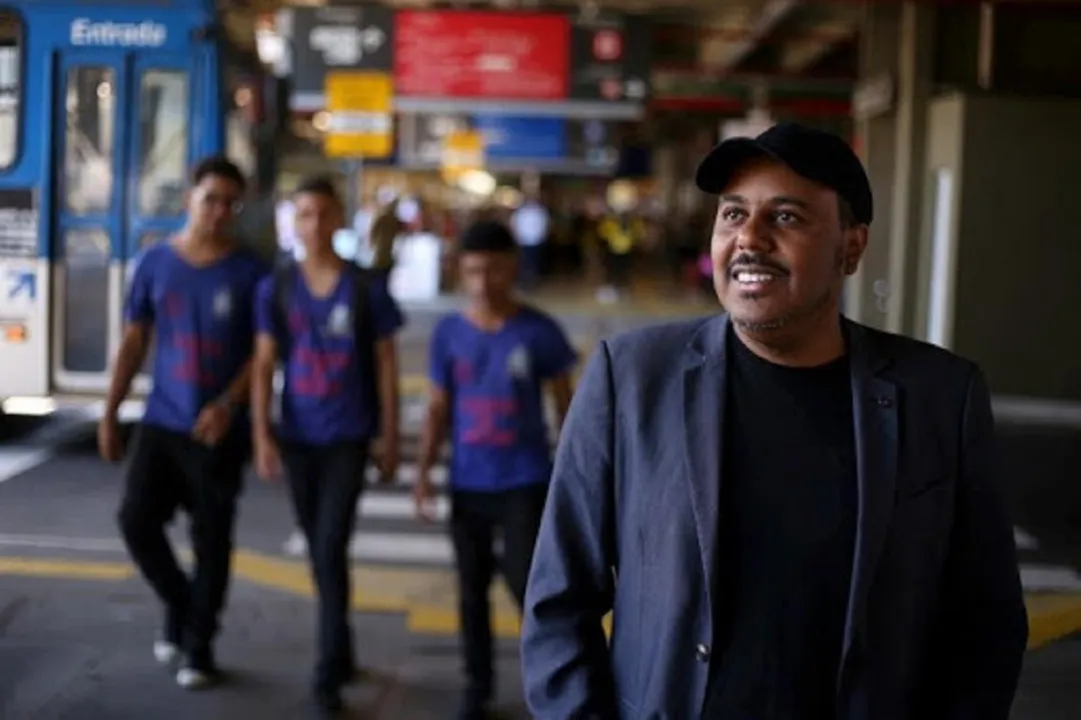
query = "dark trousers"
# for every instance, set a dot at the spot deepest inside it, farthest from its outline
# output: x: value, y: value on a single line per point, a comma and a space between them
x: 531, y: 265
x: 325, y: 482
x: 618, y: 269
x: 475, y: 517
x: 168, y: 471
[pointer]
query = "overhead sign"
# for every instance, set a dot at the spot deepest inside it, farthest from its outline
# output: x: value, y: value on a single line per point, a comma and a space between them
x: 146, y: 34
x: 593, y: 142
x: 513, y: 143
x: 339, y: 38
x: 361, y: 120
x: 610, y: 58
x: 421, y: 137
x: 22, y: 284
x: 463, y: 151
x: 507, y: 137
x: 501, y: 56
x: 19, y: 219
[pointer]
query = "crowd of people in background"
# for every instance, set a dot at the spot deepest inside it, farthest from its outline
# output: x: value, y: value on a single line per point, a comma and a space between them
x: 561, y: 243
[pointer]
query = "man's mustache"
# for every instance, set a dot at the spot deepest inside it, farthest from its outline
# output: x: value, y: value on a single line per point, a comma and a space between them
x: 749, y: 261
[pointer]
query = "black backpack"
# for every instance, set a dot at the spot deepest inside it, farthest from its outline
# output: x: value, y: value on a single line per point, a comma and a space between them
x: 283, y: 286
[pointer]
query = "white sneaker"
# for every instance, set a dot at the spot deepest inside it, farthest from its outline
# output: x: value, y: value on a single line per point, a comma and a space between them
x: 192, y: 679
x: 166, y: 652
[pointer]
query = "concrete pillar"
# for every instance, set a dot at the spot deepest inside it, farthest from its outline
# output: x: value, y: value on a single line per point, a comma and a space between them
x: 897, y: 44
x: 866, y: 299
x: 914, y: 75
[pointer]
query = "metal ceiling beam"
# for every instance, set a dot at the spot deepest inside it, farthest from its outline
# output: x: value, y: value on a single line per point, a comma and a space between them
x: 769, y: 17
x: 800, y: 53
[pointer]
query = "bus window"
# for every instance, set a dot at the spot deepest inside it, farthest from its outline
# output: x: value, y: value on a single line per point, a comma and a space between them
x: 88, y: 162
x: 163, y: 142
x: 86, y: 285
x: 10, y: 76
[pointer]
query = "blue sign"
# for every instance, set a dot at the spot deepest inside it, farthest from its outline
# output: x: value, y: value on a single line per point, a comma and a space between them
x: 507, y: 137
x: 22, y: 282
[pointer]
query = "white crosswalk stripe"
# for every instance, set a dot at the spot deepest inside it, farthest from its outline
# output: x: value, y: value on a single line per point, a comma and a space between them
x: 387, y: 530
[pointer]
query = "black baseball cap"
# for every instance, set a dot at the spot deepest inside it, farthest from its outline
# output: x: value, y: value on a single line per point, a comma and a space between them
x: 816, y: 155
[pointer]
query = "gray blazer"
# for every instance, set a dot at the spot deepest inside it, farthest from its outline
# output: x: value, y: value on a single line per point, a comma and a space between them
x: 936, y: 624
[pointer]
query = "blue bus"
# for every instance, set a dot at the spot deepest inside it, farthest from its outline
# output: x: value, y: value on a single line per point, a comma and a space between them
x: 104, y: 107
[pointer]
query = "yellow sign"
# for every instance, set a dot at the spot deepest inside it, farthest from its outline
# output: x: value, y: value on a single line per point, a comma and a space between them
x: 463, y: 151
x: 361, y: 114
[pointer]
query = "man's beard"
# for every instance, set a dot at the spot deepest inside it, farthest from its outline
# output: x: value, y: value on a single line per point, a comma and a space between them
x: 798, y: 314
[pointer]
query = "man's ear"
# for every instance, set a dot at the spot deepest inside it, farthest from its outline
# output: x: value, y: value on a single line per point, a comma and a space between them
x: 855, y: 246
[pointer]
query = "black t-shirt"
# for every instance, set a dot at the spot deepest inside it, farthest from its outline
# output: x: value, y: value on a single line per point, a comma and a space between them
x: 785, y: 539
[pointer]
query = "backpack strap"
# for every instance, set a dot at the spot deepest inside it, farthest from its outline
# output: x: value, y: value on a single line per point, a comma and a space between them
x: 283, y: 285
x: 362, y: 280
x: 364, y: 339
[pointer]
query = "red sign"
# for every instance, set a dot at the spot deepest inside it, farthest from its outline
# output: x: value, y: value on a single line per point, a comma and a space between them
x: 499, y: 56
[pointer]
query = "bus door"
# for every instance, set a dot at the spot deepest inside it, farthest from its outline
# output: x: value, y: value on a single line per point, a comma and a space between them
x: 124, y: 140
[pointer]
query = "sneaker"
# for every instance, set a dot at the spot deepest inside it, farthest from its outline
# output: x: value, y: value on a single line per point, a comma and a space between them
x: 328, y: 701
x: 349, y: 672
x: 197, y: 673
x: 166, y: 653
x: 475, y: 706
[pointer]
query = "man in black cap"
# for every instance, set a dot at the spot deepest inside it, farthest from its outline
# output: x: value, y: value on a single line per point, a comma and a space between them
x: 789, y: 514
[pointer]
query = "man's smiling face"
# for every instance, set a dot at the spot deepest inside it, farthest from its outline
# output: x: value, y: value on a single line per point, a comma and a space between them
x: 781, y: 247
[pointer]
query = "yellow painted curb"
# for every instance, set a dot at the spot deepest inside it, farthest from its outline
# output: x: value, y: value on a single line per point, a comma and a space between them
x: 438, y: 620
x: 53, y: 568
x: 413, y: 384
x: 295, y: 578
x: 441, y: 620
x: 1052, y: 616
x: 428, y: 598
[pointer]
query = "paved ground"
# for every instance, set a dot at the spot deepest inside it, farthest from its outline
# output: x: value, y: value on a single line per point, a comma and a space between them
x: 90, y: 659
x: 76, y: 625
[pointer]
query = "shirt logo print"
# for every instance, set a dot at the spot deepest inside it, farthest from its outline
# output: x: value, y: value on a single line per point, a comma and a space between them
x: 518, y: 365
x: 223, y: 304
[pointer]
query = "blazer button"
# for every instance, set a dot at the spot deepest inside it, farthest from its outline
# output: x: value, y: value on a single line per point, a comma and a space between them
x: 885, y: 402
x: 701, y: 653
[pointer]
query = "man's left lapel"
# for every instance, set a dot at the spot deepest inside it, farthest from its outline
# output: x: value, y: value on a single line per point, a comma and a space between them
x: 875, y: 417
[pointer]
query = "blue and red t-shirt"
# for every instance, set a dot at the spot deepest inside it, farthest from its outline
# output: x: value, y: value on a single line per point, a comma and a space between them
x: 325, y: 398
x: 202, y: 325
x: 499, y: 436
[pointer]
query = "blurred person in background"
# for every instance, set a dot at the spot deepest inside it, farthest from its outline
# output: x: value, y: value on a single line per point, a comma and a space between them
x: 285, y: 226
x: 620, y: 232
x: 192, y: 293
x: 530, y: 224
x: 490, y: 365
x: 332, y: 325
x: 385, y: 230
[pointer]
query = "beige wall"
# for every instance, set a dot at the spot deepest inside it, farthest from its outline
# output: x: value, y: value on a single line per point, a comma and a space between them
x: 1016, y: 281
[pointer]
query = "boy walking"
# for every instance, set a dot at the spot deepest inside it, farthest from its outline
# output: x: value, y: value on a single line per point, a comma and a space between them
x: 192, y: 293
x: 333, y: 327
x: 488, y: 365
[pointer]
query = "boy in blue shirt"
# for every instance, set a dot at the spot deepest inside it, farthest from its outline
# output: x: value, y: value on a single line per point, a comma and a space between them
x: 193, y: 293
x: 333, y: 327
x: 488, y: 365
